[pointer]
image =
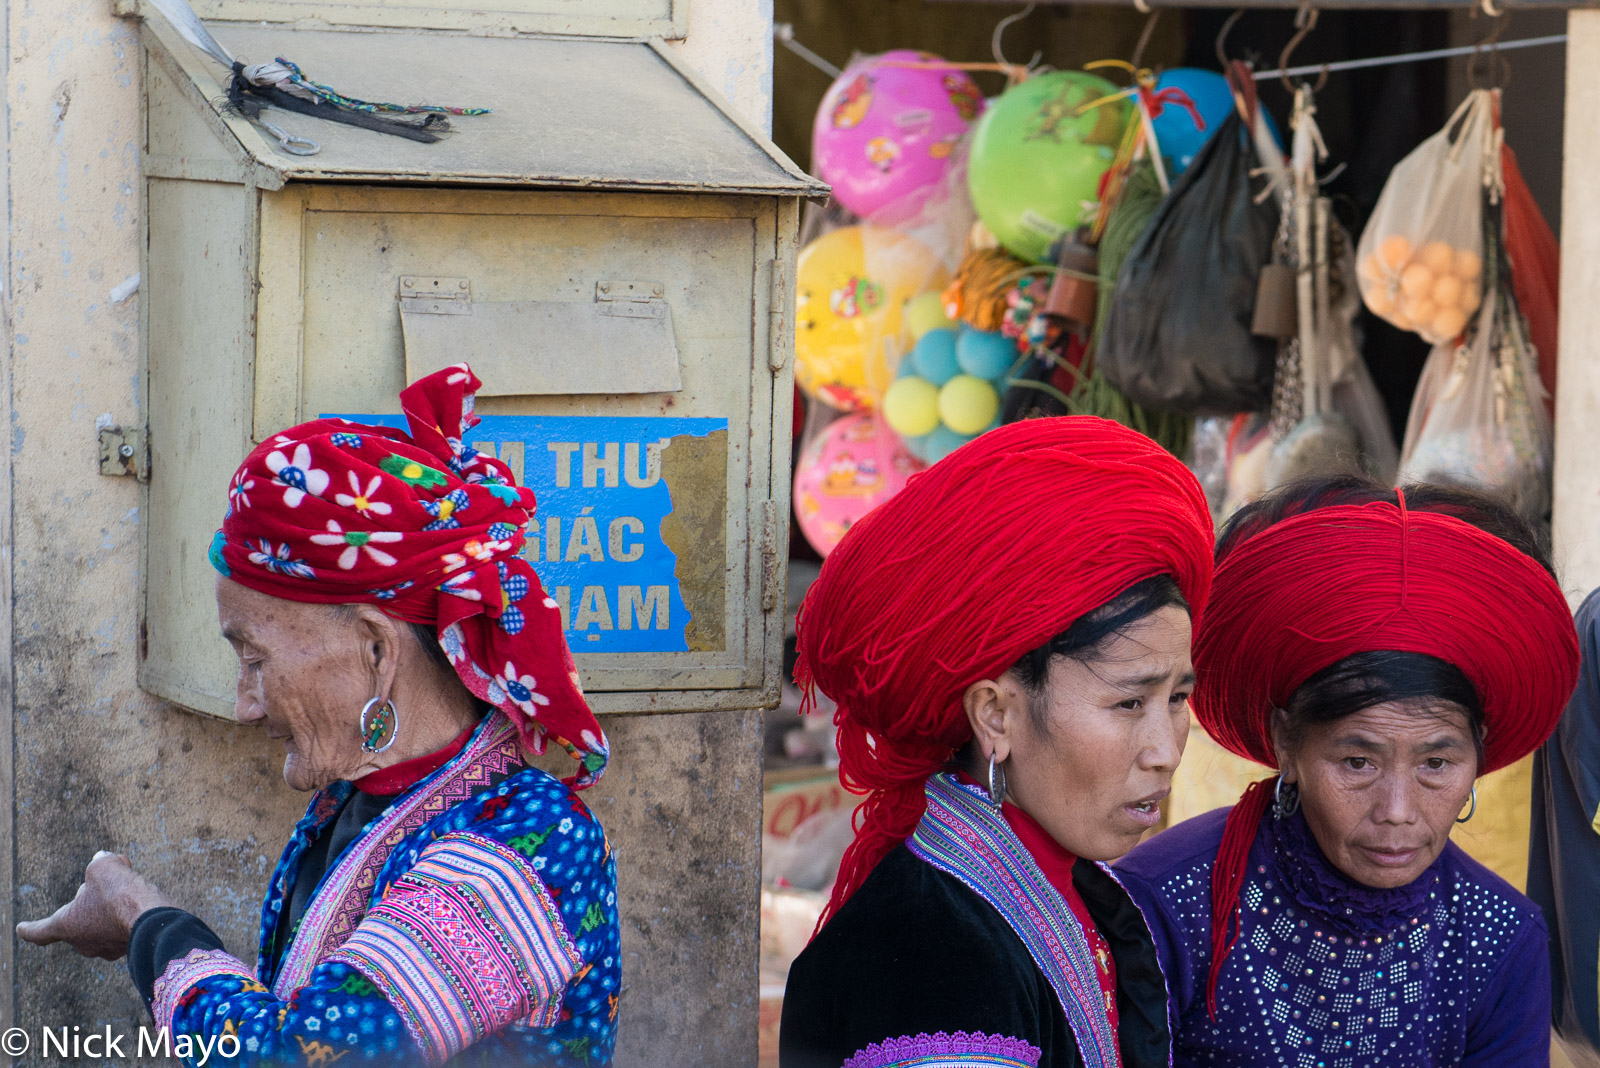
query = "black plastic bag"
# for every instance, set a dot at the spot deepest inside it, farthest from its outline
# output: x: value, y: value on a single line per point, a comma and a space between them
x: 1177, y: 337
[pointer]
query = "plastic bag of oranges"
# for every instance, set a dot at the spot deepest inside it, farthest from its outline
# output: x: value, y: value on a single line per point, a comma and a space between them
x: 1421, y: 255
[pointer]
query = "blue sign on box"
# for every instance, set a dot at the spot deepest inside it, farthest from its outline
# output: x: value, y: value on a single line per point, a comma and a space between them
x: 607, y: 487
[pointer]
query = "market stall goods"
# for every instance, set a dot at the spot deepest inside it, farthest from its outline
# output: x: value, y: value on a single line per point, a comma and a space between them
x: 851, y: 289
x: 850, y: 468
x: 887, y: 129
x: 1037, y: 159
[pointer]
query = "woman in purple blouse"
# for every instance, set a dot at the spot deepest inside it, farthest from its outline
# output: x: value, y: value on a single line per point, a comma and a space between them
x: 1380, y: 649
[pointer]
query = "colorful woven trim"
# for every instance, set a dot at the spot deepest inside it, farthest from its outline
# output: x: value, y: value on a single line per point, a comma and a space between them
x: 181, y: 976
x: 465, y: 943
x: 345, y: 892
x: 960, y: 1050
x: 963, y: 835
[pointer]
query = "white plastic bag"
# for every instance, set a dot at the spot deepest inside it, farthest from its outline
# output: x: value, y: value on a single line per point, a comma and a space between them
x: 1479, y: 415
x: 1421, y: 255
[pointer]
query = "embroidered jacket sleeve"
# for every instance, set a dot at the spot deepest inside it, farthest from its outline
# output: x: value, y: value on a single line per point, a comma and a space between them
x: 916, y: 971
x: 504, y: 914
x: 1511, y: 1023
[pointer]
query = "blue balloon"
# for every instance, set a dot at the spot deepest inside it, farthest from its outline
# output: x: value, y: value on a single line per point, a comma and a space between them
x: 985, y: 354
x: 942, y: 442
x: 918, y: 446
x: 935, y: 356
x: 1176, y: 132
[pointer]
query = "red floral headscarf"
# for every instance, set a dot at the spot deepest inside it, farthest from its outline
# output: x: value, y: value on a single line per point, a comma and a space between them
x: 428, y: 529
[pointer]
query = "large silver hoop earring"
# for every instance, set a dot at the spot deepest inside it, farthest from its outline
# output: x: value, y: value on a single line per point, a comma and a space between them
x: 997, y: 783
x: 1473, y: 811
x: 1284, y: 807
x: 386, y: 720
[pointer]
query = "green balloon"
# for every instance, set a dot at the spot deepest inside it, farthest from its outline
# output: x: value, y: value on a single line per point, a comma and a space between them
x: 1036, y: 163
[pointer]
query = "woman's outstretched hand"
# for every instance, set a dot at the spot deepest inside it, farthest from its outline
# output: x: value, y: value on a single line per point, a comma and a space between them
x: 98, y: 920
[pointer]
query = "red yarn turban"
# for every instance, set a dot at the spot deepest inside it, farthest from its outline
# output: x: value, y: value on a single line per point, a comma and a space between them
x: 1313, y: 589
x: 987, y: 555
x: 428, y: 529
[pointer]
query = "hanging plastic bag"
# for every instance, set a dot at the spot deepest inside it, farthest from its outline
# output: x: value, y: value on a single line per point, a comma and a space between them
x: 1421, y: 255
x: 1479, y: 414
x: 1177, y: 334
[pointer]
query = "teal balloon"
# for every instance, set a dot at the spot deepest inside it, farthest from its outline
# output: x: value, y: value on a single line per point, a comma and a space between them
x: 917, y: 446
x: 942, y: 442
x: 935, y: 356
x: 985, y: 354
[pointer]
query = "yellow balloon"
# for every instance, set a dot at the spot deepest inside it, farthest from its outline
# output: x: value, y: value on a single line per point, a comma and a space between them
x: 925, y: 312
x: 911, y: 406
x: 968, y: 405
x: 851, y: 286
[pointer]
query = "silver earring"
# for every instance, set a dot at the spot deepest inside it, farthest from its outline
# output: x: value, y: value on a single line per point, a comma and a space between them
x: 1283, y: 808
x: 997, y: 783
x: 1473, y: 811
x: 387, y: 719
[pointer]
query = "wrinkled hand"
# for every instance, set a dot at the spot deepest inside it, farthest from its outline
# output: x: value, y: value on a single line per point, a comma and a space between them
x: 98, y: 920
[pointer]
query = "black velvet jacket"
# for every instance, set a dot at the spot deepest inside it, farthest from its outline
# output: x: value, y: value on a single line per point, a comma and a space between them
x: 916, y: 952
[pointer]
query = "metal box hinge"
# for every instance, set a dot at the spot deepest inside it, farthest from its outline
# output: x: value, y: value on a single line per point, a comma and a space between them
x: 123, y: 452
x: 636, y: 300
x: 769, y: 556
x: 436, y: 296
x: 778, y: 341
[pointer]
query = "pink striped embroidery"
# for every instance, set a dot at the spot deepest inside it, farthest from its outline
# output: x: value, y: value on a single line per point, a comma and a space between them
x: 341, y: 902
x: 182, y: 975
x: 465, y: 943
x: 941, y: 1050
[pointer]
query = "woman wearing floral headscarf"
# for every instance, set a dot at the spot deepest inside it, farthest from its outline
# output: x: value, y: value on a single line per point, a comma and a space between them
x: 441, y: 895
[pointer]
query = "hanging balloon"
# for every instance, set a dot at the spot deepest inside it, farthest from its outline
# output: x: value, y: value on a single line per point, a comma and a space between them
x: 853, y: 466
x: 1036, y: 162
x: 850, y: 289
x: 884, y: 133
x: 1187, y: 106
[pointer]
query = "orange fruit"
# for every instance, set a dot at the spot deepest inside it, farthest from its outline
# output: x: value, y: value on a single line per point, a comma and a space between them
x: 1448, y: 323
x: 1419, y: 310
x: 1372, y: 268
x: 1471, y: 297
x: 1379, y: 301
x: 1438, y: 257
x: 1394, y: 251
x: 1468, y: 265
x: 1447, y: 291
x: 1416, y: 281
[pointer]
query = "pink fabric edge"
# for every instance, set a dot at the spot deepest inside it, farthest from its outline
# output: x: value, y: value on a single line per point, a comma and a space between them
x: 182, y: 974
x: 375, y: 975
x: 910, y: 1050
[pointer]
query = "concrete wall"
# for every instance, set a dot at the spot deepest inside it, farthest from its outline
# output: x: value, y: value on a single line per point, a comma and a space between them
x: 197, y: 803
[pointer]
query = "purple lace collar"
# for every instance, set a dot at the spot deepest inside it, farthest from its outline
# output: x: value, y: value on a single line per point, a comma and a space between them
x: 1317, y: 886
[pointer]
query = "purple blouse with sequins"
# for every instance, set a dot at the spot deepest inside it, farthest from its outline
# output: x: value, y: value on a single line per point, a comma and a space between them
x: 1449, y: 970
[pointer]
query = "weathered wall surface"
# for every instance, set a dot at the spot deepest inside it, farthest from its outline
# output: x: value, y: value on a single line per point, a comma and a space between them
x: 198, y: 803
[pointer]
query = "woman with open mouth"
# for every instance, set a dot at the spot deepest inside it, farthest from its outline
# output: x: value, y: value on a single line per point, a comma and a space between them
x: 1008, y: 643
x: 1380, y: 649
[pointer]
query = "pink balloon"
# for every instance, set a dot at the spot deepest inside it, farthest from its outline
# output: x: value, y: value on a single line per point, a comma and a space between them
x: 884, y: 134
x: 853, y: 466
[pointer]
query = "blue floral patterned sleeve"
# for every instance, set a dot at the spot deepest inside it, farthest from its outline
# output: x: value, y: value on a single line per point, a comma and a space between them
x: 491, y: 931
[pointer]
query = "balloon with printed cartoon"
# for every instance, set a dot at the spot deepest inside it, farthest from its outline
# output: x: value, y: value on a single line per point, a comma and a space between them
x: 851, y: 287
x: 887, y: 128
x: 853, y: 466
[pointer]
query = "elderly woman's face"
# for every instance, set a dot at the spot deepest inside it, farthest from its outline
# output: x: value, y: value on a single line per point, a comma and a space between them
x: 1381, y: 788
x: 302, y: 677
x: 1094, y: 768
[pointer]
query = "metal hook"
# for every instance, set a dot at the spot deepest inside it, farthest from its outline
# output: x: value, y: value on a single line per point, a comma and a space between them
x: 1144, y: 37
x: 1305, y: 20
x: 1222, y: 36
x: 296, y: 146
x: 1491, y: 42
x: 999, y: 32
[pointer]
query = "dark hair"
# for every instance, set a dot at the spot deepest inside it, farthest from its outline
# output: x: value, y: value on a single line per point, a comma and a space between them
x: 1359, y: 682
x: 1424, y: 683
x: 1084, y: 641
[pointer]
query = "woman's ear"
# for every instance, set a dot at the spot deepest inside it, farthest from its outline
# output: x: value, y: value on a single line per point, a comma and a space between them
x: 1282, y: 747
x: 991, y: 708
x: 380, y: 648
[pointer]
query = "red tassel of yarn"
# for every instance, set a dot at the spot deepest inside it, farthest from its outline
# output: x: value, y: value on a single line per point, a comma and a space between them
x: 1228, y: 875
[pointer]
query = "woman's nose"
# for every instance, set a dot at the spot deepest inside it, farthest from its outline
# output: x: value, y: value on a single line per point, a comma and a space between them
x: 1396, y: 801
x: 1166, y: 735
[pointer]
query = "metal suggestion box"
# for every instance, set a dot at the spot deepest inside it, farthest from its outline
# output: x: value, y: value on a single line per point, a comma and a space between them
x: 612, y: 250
